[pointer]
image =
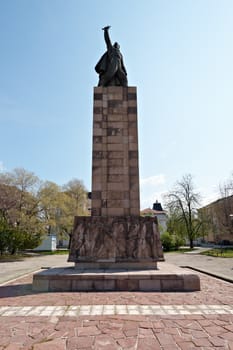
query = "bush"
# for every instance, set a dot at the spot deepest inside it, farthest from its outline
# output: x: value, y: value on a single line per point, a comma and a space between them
x: 13, y: 239
x: 19, y: 240
x: 178, y: 241
x: 170, y: 242
x: 166, y: 239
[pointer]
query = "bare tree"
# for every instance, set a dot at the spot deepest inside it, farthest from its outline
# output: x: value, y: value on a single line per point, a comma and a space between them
x: 182, y: 203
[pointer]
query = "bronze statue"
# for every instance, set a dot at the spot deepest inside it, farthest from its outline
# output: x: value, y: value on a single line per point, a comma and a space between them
x: 110, y: 67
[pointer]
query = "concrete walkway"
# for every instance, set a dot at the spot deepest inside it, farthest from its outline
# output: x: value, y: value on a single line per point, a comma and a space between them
x: 219, y: 267
x: 14, y: 269
x: 216, y: 266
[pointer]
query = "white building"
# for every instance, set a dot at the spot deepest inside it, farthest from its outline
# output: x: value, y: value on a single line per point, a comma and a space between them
x: 157, y: 211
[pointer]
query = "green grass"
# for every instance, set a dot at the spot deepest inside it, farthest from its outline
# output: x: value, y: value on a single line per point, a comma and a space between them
x: 180, y: 250
x: 218, y: 252
x: 56, y: 252
x: 21, y: 255
x: 15, y: 257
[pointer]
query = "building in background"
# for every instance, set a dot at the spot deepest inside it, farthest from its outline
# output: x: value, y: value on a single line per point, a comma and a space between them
x: 219, y: 218
x: 157, y: 211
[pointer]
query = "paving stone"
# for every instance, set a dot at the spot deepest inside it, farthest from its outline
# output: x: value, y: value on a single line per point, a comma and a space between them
x: 217, y: 341
x: 55, y: 344
x: 88, y: 323
x: 170, y: 347
x: 117, y: 334
x: 199, y: 334
x: 127, y: 343
x: 181, y: 337
x: 227, y: 336
x: 210, y: 348
x: 214, y: 330
x: 88, y: 331
x: 146, y: 325
x: 229, y: 327
x: 145, y: 332
x: 79, y: 342
x: 186, y: 345
x: 158, y: 325
x: 172, y: 330
x: 148, y: 344
x: 131, y: 332
x: 201, y: 342
x: 14, y: 346
x: 165, y: 339
x: 205, y: 323
x: 105, y: 342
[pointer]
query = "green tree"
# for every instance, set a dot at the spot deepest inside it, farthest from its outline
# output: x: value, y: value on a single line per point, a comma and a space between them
x: 3, y: 234
x: 59, y: 205
x: 182, y: 203
x: 19, y: 209
x: 76, y: 191
x: 30, y: 208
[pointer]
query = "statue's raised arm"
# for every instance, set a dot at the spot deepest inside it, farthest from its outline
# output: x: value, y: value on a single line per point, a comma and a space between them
x: 107, y: 37
x: 110, y: 67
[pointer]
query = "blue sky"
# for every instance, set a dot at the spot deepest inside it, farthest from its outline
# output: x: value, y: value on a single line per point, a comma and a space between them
x: 179, y: 54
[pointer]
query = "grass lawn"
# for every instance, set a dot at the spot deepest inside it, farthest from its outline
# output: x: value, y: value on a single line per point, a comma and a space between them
x: 56, y: 252
x: 21, y: 255
x: 218, y: 252
x: 181, y: 250
x: 15, y: 257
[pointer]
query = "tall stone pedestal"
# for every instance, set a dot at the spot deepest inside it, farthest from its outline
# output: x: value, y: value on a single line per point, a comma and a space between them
x: 115, y: 248
x: 115, y: 171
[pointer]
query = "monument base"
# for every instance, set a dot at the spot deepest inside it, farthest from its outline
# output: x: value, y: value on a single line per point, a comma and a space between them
x: 116, y: 253
x: 168, y: 278
x: 115, y: 242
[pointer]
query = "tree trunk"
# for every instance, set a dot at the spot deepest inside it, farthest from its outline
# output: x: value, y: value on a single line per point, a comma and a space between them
x: 191, y: 243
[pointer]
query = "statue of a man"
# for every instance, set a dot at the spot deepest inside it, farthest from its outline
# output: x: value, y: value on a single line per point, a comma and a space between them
x: 110, y: 67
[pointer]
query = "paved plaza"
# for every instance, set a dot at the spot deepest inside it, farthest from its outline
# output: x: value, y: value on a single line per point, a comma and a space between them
x: 116, y: 320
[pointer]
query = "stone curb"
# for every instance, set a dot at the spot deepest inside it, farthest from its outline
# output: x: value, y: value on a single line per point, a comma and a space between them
x: 206, y: 272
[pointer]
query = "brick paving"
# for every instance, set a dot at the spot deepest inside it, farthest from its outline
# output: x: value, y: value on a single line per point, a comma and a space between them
x: 116, y: 320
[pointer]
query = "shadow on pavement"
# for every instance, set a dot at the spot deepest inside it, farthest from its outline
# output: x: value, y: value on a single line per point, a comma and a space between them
x: 16, y: 290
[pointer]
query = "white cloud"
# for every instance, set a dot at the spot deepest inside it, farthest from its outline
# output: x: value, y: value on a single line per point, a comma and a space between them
x: 153, y: 180
x: 147, y: 201
x: 208, y: 195
x: 209, y: 198
x: 152, y: 188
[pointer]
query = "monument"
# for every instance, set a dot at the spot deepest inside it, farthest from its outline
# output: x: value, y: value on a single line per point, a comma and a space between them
x: 115, y: 235
x: 115, y: 248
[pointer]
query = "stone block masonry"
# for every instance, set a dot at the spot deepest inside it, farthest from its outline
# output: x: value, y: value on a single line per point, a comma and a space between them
x: 115, y: 170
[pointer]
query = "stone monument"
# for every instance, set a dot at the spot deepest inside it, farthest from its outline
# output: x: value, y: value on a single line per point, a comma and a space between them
x: 115, y: 235
x: 115, y: 248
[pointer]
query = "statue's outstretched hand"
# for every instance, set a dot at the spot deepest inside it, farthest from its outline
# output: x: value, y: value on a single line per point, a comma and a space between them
x: 106, y: 28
